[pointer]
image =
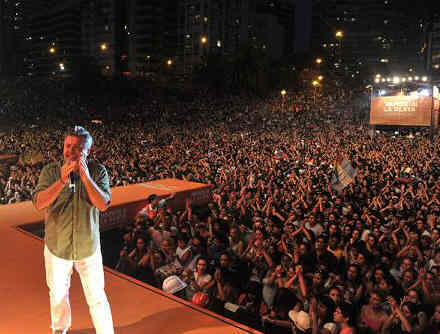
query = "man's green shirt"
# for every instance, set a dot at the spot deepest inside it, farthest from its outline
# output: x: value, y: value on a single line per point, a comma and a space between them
x: 71, y: 221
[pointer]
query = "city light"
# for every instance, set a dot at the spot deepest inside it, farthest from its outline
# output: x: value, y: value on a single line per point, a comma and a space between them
x: 416, y: 78
x: 388, y: 79
x: 378, y: 75
x: 339, y: 34
x: 283, y: 92
x: 61, y: 65
x: 382, y: 92
x: 320, y: 77
x: 383, y: 80
x: 52, y: 50
x: 103, y: 46
x: 424, y: 78
x: 318, y: 60
x: 410, y: 78
x: 315, y: 83
x: 396, y: 80
x: 403, y: 79
x: 219, y: 44
x: 377, y: 80
x: 169, y: 62
x: 203, y: 39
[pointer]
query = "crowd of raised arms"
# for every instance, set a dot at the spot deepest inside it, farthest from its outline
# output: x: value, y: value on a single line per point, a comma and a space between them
x: 277, y: 248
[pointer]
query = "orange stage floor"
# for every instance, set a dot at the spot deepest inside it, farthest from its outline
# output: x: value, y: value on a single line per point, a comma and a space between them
x: 137, y: 307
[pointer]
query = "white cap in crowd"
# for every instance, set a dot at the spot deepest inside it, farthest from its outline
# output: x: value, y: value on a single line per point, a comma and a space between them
x: 173, y: 284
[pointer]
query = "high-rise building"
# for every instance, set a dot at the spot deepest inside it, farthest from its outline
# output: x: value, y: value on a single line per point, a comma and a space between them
x: 381, y: 34
x: 151, y: 30
x: 119, y: 37
x: 11, y: 30
x: 431, y: 45
x: 226, y: 26
x: 53, y: 37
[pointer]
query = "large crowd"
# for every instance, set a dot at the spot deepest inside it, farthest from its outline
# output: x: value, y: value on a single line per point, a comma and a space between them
x: 277, y: 248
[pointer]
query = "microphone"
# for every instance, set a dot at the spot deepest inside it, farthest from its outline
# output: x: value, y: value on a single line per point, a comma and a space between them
x: 72, y: 179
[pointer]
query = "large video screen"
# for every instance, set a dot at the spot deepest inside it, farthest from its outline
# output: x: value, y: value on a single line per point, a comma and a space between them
x: 401, y: 110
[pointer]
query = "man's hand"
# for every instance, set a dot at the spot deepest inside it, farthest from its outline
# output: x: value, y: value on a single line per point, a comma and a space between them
x: 83, y: 168
x: 66, y: 169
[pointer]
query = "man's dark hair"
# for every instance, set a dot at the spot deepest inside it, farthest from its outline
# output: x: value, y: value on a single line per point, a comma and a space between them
x: 79, y: 131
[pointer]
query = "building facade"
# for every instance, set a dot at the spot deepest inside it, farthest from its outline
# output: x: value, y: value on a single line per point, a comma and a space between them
x: 11, y: 33
x: 382, y: 35
x: 431, y: 46
x: 226, y: 26
x: 118, y: 37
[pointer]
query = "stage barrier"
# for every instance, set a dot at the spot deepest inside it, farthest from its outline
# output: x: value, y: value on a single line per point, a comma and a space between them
x: 126, y: 202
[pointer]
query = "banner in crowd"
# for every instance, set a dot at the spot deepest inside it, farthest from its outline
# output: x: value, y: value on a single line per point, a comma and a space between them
x: 401, y: 110
x: 343, y: 176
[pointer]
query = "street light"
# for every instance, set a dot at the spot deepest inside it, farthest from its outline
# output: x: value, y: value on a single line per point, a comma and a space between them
x: 339, y: 34
x: 283, y: 95
x: 203, y: 39
x: 315, y: 84
x: 169, y: 62
x: 52, y: 50
x: 61, y: 65
x: 103, y: 46
x: 318, y: 60
x: 320, y: 77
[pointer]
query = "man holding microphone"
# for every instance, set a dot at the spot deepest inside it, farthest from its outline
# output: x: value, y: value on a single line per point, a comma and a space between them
x: 72, y: 193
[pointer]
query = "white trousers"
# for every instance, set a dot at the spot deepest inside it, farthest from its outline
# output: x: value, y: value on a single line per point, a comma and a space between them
x: 91, y: 272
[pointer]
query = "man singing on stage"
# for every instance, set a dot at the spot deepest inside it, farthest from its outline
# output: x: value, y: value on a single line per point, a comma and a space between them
x: 72, y: 193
